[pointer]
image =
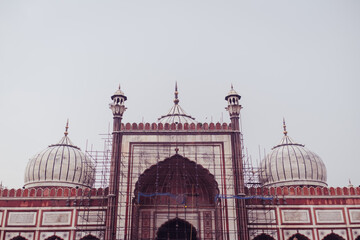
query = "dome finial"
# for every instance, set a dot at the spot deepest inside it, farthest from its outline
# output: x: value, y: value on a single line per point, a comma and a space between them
x: 284, y: 126
x: 176, y: 100
x: 66, y: 128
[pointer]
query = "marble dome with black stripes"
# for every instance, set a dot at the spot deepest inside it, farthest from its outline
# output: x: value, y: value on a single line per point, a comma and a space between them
x: 291, y: 164
x: 62, y: 164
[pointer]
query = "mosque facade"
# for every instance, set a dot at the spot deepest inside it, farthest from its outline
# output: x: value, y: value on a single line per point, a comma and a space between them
x: 179, y: 179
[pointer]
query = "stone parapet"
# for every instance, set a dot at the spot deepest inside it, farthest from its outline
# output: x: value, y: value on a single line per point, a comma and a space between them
x: 175, y: 127
x: 304, y: 191
x: 53, y: 192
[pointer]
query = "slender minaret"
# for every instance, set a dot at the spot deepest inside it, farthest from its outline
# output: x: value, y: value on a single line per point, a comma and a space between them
x: 234, y: 110
x: 118, y: 108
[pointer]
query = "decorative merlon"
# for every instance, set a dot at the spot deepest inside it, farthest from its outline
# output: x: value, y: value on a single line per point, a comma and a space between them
x: 176, y: 127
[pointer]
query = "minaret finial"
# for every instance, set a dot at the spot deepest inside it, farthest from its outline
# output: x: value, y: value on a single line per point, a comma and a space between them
x: 176, y: 100
x: 232, y: 87
x: 284, y: 126
x: 350, y: 184
x: 119, y: 86
x: 66, y: 128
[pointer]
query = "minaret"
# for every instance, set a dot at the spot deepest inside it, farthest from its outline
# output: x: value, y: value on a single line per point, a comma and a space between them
x: 118, y: 108
x: 234, y: 110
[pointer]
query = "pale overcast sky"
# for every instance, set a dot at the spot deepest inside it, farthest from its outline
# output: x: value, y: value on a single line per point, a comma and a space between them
x: 294, y: 59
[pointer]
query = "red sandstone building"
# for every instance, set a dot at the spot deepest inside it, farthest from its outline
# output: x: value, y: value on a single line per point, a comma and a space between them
x: 178, y: 179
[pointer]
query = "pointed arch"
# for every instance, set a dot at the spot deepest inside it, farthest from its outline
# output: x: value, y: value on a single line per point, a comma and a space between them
x: 54, y: 237
x: 298, y: 236
x: 263, y: 236
x: 174, y: 182
x: 179, y: 177
x: 176, y: 229
x: 89, y: 237
x: 18, y: 238
x: 333, y: 236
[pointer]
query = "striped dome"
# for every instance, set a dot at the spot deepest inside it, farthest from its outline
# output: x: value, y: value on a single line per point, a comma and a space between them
x: 291, y: 164
x: 61, y: 164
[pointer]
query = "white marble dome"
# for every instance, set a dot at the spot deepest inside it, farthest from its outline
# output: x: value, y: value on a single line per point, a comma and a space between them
x: 61, y: 164
x: 291, y: 164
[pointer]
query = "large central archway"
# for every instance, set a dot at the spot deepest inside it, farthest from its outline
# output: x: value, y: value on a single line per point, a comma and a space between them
x: 175, y: 188
x: 176, y: 229
x: 176, y: 180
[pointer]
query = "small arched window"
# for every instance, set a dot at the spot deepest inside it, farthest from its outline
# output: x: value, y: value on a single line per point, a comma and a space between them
x: 54, y: 237
x: 263, y: 236
x: 298, y: 236
x: 333, y: 236
x: 89, y: 237
x: 19, y: 238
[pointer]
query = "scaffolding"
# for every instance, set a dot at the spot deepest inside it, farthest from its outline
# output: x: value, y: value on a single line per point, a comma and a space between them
x: 186, y: 196
x: 261, y: 211
x: 91, y: 217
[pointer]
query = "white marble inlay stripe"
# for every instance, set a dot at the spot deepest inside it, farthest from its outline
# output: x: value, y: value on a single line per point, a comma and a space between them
x: 295, y: 216
x: 21, y: 218
x: 329, y: 216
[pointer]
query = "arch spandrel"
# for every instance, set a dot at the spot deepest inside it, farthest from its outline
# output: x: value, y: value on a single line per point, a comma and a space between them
x: 211, y: 151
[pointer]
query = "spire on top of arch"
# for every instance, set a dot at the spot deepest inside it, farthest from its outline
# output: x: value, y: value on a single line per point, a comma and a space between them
x: 176, y: 114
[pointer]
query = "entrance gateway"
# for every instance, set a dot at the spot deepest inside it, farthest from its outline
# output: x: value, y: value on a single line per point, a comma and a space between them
x: 175, y: 176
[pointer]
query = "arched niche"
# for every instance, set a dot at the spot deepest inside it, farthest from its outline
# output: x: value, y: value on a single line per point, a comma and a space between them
x: 180, y: 186
x: 174, y: 181
x: 298, y: 236
x: 263, y: 236
x: 18, y: 238
x: 333, y: 236
x: 176, y: 229
x: 89, y: 237
x: 54, y: 237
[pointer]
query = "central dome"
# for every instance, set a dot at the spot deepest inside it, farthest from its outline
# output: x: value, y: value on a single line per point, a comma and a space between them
x: 61, y: 164
x: 291, y: 164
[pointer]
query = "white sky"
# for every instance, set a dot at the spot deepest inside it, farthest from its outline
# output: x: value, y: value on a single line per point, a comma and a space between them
x: 294, y: 59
